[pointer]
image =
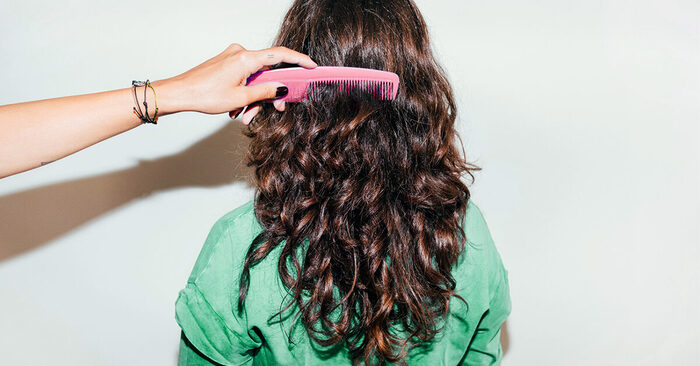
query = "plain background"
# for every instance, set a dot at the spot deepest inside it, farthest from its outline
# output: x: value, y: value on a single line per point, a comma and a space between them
x: 582, y: 114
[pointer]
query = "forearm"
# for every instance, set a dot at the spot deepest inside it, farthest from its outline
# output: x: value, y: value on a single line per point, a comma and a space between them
x: 39, y: 132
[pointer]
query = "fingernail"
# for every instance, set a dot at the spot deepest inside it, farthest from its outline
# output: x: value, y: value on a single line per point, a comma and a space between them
x: 282, y: 91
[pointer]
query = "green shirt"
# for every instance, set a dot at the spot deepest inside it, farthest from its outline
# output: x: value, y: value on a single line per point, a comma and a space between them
x: 214, y: 333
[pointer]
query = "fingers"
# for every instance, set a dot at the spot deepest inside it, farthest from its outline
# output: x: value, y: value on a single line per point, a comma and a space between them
x: 234, y: 113
x: 276, y: 55
x: 253, y: 61
x: 249, y: 113
x: 264, y: 91
x: 253, y: 110
x: 279, y: 105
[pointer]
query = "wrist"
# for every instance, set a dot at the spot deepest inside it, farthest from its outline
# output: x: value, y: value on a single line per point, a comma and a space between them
x: 171, y: 96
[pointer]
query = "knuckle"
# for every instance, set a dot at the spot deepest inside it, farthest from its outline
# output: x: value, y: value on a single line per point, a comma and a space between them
x: 242, y: 57
x: 235, y: 47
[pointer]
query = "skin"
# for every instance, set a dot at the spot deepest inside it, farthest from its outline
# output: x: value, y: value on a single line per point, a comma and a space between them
x: 33, y: 134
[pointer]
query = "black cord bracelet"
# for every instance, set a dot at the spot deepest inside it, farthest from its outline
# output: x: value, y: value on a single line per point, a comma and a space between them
x: 144, y: 117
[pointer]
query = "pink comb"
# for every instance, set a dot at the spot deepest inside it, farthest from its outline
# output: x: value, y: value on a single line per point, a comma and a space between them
x: 383, y: 85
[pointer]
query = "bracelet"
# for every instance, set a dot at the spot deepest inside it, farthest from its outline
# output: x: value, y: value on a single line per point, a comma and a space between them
x: 144, y: 116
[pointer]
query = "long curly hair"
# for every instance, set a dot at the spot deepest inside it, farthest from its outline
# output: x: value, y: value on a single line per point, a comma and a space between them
x: 373, y: 187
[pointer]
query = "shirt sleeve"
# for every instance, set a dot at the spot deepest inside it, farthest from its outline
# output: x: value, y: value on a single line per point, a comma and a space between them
x: 205, y: 308
x: 485, y: 348
x: 189, y: 356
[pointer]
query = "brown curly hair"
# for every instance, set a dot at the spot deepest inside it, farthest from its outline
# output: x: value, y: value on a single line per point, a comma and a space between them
x: 373, y: 187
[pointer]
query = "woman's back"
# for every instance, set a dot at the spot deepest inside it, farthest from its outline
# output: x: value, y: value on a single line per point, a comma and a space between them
x: 354, y: 247
x: 213, y: 330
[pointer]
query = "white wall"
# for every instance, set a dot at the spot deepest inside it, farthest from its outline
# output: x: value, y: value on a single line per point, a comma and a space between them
x: 583, y: 115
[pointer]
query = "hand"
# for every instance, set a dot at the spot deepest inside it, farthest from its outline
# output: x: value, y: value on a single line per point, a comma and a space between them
x: 218, y: 84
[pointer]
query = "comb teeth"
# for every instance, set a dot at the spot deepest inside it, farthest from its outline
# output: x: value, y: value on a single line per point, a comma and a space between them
x: 381, y: 90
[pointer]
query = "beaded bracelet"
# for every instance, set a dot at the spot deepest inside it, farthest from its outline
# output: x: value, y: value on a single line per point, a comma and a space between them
x: 139, y: 113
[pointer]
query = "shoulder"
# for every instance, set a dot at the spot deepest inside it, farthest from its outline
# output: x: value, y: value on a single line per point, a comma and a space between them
x: 227, y: 241
x: 239, y: 219
x: 475, y: 227
x: 204, y: 308
x: 477, y: 233
x: 481, y: 258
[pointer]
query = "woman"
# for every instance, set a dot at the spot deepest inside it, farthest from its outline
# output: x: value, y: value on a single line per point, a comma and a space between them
x: 362, y: 244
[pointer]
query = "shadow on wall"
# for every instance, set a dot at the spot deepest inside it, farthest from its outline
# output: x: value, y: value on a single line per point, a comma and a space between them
x: 37, y: 216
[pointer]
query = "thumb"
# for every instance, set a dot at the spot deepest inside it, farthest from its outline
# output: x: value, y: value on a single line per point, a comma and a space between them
x: 264, y: 91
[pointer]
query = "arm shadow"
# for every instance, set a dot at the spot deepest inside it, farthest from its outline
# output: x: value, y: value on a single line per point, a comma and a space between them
x: 34, y: 217
x: 505, y: 338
